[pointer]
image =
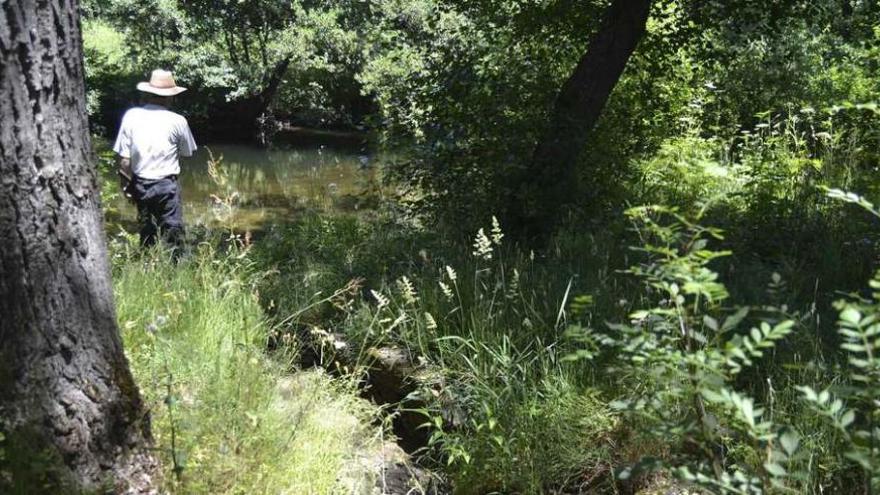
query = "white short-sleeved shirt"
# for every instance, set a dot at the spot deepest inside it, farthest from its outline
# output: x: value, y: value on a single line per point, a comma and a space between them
x: 153, y: 137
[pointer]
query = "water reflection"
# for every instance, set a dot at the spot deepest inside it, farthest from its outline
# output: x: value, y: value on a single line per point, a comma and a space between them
x: 264, y: 185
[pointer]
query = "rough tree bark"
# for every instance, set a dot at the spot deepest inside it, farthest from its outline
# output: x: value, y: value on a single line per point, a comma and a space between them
x: 549, y: 182
x: 70, y: 412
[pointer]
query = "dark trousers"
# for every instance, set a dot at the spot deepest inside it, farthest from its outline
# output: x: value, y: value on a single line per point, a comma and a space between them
x: 160, y: 211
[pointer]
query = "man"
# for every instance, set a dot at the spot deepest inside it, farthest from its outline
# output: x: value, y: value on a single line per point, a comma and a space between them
x: 151, y: 139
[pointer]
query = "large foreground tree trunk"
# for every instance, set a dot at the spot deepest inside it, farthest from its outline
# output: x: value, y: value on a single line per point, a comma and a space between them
x: 70, y: 412
x: 549, y: 182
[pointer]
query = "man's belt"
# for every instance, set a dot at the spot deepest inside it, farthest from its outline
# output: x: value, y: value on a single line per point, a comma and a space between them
x: 172, y: 177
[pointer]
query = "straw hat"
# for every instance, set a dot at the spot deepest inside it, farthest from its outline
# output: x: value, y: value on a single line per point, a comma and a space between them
x: 161, y: 83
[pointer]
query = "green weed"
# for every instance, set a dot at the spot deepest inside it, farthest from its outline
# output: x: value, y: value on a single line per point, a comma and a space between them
x: 226, y: 417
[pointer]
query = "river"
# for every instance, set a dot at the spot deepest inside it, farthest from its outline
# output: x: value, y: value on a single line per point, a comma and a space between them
x: 256, y: 186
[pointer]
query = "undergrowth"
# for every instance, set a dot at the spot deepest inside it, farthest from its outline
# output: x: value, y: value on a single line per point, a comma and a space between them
x: 226, y: 417
x: 550, y: 371
x: 653, y: 348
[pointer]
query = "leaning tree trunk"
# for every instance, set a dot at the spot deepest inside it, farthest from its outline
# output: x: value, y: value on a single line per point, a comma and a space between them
x: 549, y: 182
x: 70, y: 412
x: 238, y: 119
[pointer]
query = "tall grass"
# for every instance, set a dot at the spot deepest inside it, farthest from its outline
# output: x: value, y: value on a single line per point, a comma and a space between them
x: 226, y: 417
x: 505, y: 411
x: 486, y: 325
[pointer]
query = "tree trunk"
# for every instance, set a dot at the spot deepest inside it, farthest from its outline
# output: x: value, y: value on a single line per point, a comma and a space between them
x: 245, y: 44
x: 549, y: 182
x: 238, y: 119
x: 70, y: 412
x: 230, y: 45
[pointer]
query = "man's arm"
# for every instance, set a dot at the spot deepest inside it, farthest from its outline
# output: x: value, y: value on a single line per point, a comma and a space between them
x: 125, y: 174
x: 123, y: 155
x: 186, y: 144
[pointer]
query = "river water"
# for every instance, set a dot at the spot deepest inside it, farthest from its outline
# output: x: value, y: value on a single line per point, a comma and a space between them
x: 256, y: 186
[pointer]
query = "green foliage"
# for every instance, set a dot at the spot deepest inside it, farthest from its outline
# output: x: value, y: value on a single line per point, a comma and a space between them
x: 853, y: 410
x: 680, y: 360
x: 694, y: 69
x: 509, y: 414
x: 686, y: 171
x: 731, y: 113
x: 467, y: 86
x: 110, y: 69
x: 471, y: 84
x: 319, y: 254
x: 504, y: 412
x: 225, y: 51
x: 714, y: 67
x: 483, y: 322
x: 523, y: 436
x: 226, y: 417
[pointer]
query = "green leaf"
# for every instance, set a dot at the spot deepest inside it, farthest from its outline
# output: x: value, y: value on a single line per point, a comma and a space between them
x: 710, y: 322
x: 734, y: 320
x: 851, y: 347
x: 712, y: 396
x: 850, y: 315
x: 809, y: 393
x: 639, y: 315
x: 860, y: 363
x: 847, y: 418
x: 756, y: 335
x: 782, y: 329
x: 774, y: 469
x: 790, y: 441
